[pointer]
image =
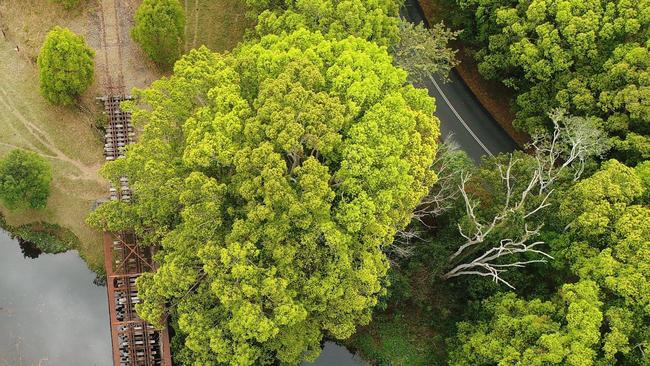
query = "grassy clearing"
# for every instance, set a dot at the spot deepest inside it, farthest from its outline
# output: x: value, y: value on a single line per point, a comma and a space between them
x: 217, y: 24
x: 64, y: 135
x: 398, y: 339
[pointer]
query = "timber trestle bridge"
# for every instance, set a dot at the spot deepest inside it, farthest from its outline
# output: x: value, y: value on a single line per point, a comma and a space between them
x: 134, y: 341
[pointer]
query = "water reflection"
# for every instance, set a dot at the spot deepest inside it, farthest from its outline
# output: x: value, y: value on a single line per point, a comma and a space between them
x: 51, y: 313
x: 335, y: 355
x: 29, y: 249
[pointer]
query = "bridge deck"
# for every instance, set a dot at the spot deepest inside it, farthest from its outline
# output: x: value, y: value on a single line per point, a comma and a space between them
x: 134, y: 341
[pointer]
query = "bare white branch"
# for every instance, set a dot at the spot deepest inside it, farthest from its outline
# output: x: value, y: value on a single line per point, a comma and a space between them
x: 574, y: 140
x: 484, y: 264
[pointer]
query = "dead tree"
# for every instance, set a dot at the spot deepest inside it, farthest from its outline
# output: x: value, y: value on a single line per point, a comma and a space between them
x: 573, y: 141
x: 439, y: 199
x: 444, y: 192
x: 494, y: 261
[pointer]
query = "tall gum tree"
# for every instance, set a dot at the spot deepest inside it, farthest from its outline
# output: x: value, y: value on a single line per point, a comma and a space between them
x: 274, y: 178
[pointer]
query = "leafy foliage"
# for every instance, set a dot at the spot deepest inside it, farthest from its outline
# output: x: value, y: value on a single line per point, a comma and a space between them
x: 589, y: 57
x: 607, y: 249
x: 610, y: 244
x: 273, y: 178
x: 159, y: 29
x: 423, y: 52
x: 24, y: 180
x: 66, y: 66
x: 375, y: 21
x: 519, y: 332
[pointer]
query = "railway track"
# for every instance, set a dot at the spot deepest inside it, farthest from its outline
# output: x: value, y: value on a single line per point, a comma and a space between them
x: 134, y: 341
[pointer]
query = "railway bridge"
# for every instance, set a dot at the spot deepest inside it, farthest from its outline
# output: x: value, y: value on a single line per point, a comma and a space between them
x: 134, y: 341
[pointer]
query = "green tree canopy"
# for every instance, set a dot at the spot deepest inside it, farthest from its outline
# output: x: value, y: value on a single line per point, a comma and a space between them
x: 66, y: 66
x: 159, y: 29
x: 274, y: 178
x: 564, y: 331
x: 609, y: 243
x: 603, y: 318
x: 24, y: 180
x: 590, y: 57
x: 375, y: 20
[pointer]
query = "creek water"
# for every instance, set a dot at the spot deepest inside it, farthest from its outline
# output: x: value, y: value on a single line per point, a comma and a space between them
x: 336, y: 355
x: 52, y: 313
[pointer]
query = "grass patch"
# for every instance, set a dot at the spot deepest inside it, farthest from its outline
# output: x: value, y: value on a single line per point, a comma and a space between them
x: 399, y: 339
x: 65, y: 136
x: 217, y: 24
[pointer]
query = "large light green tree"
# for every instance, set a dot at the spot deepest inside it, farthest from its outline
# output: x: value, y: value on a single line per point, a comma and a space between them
x: 65, y: 66
x: 274, y: 179
x: 375, y: 20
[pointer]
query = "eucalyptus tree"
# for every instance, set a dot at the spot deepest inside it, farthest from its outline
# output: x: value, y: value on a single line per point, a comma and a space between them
x: 274, y: 178
x: 590, y: 57
x: 501, y: 235
x: 601, y: 316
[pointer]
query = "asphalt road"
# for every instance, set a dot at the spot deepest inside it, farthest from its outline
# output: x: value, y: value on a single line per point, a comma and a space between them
x: 460, y: 113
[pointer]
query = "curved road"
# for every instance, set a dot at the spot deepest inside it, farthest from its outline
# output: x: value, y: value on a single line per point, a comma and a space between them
x: 460, y: 113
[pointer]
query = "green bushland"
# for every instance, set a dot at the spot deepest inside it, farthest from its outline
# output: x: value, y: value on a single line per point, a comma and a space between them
x: 65, y: 65
x: 591, y: 58
x: 159, y: 29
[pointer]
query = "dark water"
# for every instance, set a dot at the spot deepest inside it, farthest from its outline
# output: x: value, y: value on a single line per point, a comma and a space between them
x: 335, y: 355
x: 51, y: 313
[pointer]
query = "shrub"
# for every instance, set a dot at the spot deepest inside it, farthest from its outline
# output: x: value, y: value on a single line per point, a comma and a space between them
x: 159, y: 28
x: 66, y: 66
x: 24, y: 180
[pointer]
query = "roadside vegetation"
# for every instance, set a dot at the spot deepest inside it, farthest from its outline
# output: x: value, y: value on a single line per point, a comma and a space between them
x: 590, y: 58
x: 299, y: 191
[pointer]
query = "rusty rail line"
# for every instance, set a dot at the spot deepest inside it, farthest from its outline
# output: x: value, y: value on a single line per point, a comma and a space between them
x: 134, y: 341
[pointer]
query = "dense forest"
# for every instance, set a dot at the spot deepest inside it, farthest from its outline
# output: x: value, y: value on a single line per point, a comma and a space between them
x: 300, y: 190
